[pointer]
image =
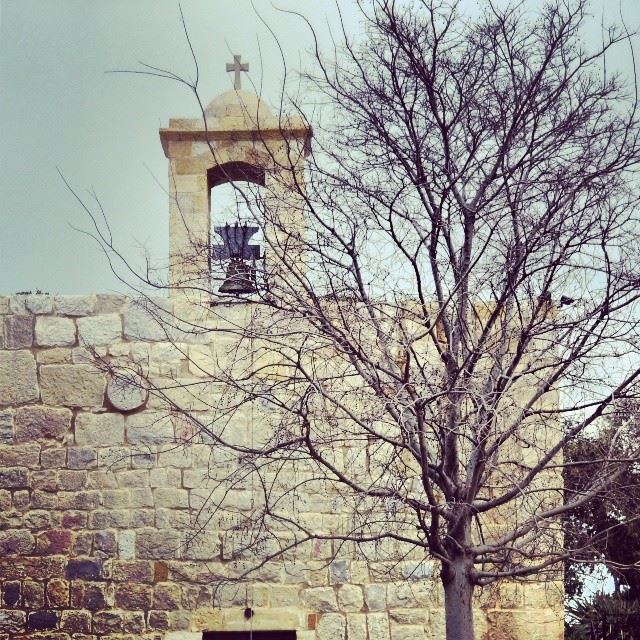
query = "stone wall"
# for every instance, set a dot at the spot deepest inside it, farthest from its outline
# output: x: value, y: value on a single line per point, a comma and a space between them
x: 98, y: 506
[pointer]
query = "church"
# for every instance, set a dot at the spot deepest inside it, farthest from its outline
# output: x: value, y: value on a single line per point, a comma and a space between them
x: 130, y: 503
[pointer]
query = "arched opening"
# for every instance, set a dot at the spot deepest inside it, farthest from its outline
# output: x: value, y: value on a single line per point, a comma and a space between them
x: 236, y: 208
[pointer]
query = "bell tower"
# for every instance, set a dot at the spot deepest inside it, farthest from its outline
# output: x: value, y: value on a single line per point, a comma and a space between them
x: 237, y: 138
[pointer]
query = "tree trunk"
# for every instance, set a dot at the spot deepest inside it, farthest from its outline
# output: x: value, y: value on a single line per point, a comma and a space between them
x: 458, y: 591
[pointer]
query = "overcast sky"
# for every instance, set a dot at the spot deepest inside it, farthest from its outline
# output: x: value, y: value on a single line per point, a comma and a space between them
x: 60, y: 109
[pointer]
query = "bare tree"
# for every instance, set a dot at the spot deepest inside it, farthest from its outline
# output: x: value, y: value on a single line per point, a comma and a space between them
x: 454, y: 300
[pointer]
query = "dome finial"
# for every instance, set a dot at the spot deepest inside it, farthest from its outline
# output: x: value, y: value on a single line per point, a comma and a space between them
x: 237, y: 67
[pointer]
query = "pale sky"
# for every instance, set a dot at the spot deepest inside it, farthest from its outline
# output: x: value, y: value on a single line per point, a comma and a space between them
x: 59, y: 108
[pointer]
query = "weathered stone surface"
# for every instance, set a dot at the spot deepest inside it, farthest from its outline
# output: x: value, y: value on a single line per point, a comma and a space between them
x: 18, y: 331
x: 357, y: 627
x: 320, y: 599
x: 81, y: 458
x: 89, y: 595
x: 57, y: 593
x: 157, y: 544
x: 133, y: 596
x: 350, y: 598
x: 332, y: 627
x: 11, y: 594
x: 12, y: 621
x: 339, y: 572
x: 39, y: 422
x: 18, y: 380
x: 149, y: 428
x: 14, y: 478
x: 18, y: 304
x: 378, y: 626
x: 54, y: 542
x: 16, y: 541
x: 99, y: 429
x: 83, y: 568
x: 171, y: 498
x: 127, y: 544
x: 55, y: 355
x: 39, y: 303
x: 166, y: 596
x: 33, y: 594
x: 108, y: 622
x: 76, y: 385
x: 158, y: 620
x: 75, y: 305
x: 53, y: 331
x: 6, y: 426
x: 147, y: 321
x: 126, y: 392
x: 103, y: 329
x: 74, y: 621
x: 72, y: 480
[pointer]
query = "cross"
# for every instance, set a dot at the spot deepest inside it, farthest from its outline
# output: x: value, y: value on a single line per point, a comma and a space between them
x: 236, y: 243
x: 237, y: 67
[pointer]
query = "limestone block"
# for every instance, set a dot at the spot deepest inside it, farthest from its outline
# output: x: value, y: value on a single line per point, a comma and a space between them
x: 114, y: 458
x: 127, y: 392
x: 76, y: 385
x: 378, y: 626
x: 409, y: 616
x: 339, y: 572
x: 418, y: 570
x: 202, y: 361
x: 81, y: 458
x: 165, y: 358
x: 320, y: 599
x: 357, y: 627
x: 16, y: 542
x: 141, y: 497
x: 75, y: 305
x: 406, y: 632
x: 149, y: 321
x: 350, y: 598
x: 12, y: 620
x: 100, y: 330
x: 285, y: 596
x: 99, y: 429
x: 6, y: 426
x: 39, y: 304
x: 149, y: 428
x: 18, y: 304
x: 133, y: 478
x: 176, y: 456
x: 157, y: 544
x: 205, y: 546
x: 110, y: 303
x: 171, y: 498
x: 18, y: 380
x: 40, y: 422
x: 127, y: 544
x: 18, y: 331
x: 332, y: 627
x: 119, y: 349
x: 57, y: 355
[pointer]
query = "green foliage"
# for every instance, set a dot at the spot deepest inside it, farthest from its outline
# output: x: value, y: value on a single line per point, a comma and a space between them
x: 605, y: 617
x: 605, y: 530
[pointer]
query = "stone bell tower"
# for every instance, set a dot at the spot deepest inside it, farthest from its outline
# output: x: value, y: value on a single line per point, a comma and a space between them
x: 237, y: 138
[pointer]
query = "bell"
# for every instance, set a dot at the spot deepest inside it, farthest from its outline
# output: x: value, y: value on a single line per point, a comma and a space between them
x: 240, y: 278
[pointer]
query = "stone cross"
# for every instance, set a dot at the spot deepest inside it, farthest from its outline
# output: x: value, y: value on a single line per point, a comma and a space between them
x: 237, y: 67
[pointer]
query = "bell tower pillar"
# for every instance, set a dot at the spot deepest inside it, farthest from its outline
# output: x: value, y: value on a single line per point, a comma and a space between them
x: 237, y: 139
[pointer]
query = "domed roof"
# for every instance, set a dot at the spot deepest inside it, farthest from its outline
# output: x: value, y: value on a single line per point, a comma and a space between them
x: 238, y: 103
